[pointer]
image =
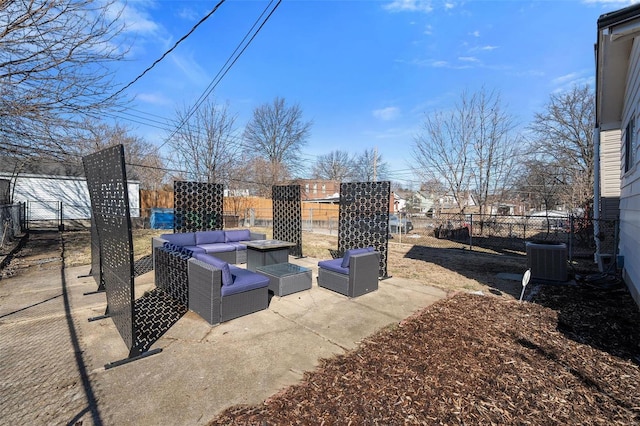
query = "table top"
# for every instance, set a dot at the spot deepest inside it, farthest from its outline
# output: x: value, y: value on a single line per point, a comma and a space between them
x: 282, y: 269
x: 267, y: 244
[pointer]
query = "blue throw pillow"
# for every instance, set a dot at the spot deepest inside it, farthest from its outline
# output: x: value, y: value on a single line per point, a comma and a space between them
x: 227, y: 279
x: 349, y: 253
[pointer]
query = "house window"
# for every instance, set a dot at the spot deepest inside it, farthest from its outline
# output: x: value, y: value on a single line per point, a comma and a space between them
x: 315, y: 188
x: 629, y: 146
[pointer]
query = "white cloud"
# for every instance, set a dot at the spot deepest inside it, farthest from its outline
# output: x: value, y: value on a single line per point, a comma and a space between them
x: 468, y: 59
x: 489, y: 48
x: 188, y: 14
x: 409, y: 6
x: 449, y: 5
x: 564, y: 79
x: 476, y: 33
x: 190, y: 68
x: 154, y: 99
x: 428, y: 30
x: 135, y: 19
x: 387, y: 114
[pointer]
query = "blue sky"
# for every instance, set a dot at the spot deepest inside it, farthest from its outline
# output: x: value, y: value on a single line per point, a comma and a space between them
x: 365, y: 72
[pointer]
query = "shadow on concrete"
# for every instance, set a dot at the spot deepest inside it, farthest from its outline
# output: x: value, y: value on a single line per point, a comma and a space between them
x: 92, y: 403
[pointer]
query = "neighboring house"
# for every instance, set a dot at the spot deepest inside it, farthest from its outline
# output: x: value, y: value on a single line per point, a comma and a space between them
x: 423, y: 202
x: 398, y: 202
x: 317, y: 189
x: 47, y: 186
x: 617, y: 172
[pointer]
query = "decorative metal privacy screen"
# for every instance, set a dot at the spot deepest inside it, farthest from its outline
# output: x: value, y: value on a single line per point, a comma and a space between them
x: 364, y: 218
x: 287, y: 216
x: 107, y: 183
x: 197, y: 206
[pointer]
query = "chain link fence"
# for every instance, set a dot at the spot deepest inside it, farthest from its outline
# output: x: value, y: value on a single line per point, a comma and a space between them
x: 509, y: 234
x: 12, y: 220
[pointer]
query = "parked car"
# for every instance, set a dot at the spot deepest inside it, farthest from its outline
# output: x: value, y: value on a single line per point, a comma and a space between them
x: 397, y: 224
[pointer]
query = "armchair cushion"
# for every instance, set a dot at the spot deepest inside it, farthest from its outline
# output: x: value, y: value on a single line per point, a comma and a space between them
x: 209, y: 237
x: 351, y: 252
x: 227, y: 279
x: 334, y: 265
x: 237, y: 235
x: 244, y: 280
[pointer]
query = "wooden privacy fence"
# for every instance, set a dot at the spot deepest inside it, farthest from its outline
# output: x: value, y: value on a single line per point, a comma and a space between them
x: 260, y: 208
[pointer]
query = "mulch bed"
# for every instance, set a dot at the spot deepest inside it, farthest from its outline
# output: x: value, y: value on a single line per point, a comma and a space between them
x: 571, y: 357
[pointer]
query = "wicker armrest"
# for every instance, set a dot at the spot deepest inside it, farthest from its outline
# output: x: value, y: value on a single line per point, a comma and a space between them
x: 258, y: 236
x: 363, y: 273
x: 205, y: 283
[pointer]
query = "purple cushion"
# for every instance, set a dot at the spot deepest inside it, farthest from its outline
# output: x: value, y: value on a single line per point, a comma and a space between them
x: 244, y: 280
x: 217, y: 247
x: 238, y: 246
x: 237, y: 235
x: 209, y: 237
x: 334, y: 265
x: 181, y: 239
x: 227, y: 279
x: 349, y: 253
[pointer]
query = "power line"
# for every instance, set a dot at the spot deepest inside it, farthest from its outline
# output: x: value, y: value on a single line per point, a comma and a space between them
x: 220, y: 75
x: 157, y: 61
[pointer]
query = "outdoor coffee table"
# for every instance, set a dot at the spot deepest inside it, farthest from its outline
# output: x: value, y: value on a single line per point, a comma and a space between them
x: 266, y: 252
x: 286, y: 278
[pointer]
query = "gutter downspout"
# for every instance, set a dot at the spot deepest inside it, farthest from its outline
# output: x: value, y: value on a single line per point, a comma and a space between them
x: 596, y: 191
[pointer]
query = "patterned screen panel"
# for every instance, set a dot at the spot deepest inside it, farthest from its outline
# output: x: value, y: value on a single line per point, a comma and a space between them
x: 107, y: 183
x: 197, y: 206
x: 287, y: 216
x: 364, y: 218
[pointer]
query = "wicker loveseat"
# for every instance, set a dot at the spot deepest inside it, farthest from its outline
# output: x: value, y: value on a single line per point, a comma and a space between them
x: 353, y: 275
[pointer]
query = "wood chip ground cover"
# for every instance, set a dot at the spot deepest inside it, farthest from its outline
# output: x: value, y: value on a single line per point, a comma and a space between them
x: 568, y: 358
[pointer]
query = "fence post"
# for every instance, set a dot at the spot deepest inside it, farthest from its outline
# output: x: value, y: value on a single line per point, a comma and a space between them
x: 471, y: 232
x: 570, y: 236
x: 60, y: 222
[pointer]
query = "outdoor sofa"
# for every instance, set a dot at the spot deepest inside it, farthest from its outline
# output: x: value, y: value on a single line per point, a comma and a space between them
x: 209, y: 286
x: 354, y: 274
x: 223, y: 244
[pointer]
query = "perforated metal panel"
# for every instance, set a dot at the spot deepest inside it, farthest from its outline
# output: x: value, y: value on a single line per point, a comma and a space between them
x: 107, y: 183
x: 364, y: 218
x: 287, y: 216
x: 197, y: 206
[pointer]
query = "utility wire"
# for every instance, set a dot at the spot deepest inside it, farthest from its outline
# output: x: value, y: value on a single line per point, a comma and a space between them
x: 157, y: 61
x: 220, y: 75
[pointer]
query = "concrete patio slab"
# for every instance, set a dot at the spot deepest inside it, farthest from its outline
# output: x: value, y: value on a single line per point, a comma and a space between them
x: 201, y: 370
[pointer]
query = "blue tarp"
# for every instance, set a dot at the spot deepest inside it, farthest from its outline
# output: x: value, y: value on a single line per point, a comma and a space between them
x: 161, y: 218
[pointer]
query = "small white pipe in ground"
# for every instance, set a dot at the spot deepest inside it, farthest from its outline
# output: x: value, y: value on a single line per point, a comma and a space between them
x: 525, y: 280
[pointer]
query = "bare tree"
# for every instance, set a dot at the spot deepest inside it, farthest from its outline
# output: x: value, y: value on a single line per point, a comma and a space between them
x: 207, y: 146
x: 54, y: 69
x: 539, y: 184
x: 143, y: 161
x: 368, y: 166
x: 336, y: 165
x: 470, y: 147
x: 564, y: 137
x: 277, y: 132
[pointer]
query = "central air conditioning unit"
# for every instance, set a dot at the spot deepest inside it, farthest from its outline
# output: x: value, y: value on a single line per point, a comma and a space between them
x: 547, y: 261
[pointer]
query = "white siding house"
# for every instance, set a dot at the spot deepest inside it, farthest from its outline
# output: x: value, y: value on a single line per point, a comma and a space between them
x: 45, y: 193
x: 617, y: 134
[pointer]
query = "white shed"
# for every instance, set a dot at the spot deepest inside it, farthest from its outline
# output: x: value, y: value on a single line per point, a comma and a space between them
x: 49, y: 195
